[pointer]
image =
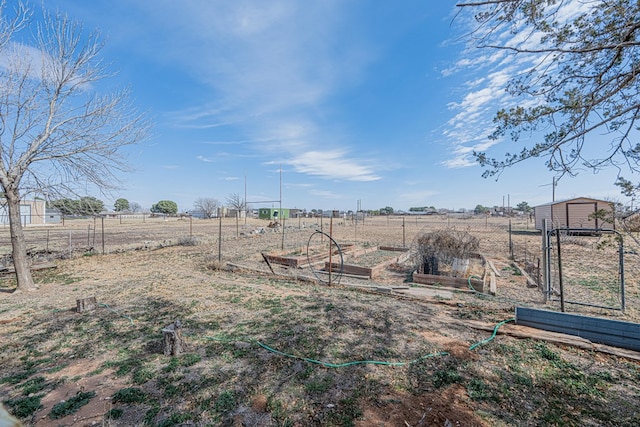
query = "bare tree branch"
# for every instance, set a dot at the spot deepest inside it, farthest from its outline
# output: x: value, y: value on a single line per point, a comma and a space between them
x: 57, y: 134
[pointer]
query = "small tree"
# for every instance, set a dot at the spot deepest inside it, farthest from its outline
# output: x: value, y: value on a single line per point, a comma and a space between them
x: 57, y: 134
x: 84, y: 206
x: 479, y: 209
x: 121, y: 205
x: 90, y: 206
x: 135, y: 207
x: 166, y: 207
x: 207, y: 205
x: 523, y: 207
x: 65, y: 206
x: 388, y: 210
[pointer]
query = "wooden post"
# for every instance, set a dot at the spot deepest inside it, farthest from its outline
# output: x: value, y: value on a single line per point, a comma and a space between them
x: 220, y: 240
x: 85, y: 304
x: 172, y: 339
x: 282, y: 242
x: 102, y: 218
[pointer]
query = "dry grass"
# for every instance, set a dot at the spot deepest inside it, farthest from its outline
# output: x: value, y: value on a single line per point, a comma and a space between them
x: 228, y: 374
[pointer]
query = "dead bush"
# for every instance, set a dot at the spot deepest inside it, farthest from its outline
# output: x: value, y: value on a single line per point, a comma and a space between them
x: 188, y: 241
x: 439, y: 249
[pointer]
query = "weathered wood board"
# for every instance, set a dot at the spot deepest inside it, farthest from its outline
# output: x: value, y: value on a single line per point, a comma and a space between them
x: 455, y: 282
x: 298, y: 261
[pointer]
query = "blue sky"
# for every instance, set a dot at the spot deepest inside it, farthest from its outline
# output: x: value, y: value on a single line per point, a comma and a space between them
x: 374, y: 101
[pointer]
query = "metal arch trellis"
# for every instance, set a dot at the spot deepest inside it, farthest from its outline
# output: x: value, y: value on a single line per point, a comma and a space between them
x: 331, y: 241
x: 548, y: 245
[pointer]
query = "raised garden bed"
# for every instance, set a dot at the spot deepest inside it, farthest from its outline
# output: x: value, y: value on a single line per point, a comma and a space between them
x: 299, y: 258
x: 369, y: 262
x: 458, y: 275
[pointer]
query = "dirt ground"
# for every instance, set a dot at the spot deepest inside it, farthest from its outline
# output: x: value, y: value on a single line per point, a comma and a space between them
x: 145, y: 281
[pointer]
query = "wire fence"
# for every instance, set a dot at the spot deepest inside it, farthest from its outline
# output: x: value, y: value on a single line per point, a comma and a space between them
x: 119, y: 233
x: 590, y: 271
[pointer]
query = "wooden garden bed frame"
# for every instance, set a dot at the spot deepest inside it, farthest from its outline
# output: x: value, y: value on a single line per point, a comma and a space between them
x: 281, y: 257
x: 367, y: 272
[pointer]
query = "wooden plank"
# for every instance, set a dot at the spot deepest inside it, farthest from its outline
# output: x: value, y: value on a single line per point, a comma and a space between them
x: 615, y: 333
x: 492, y: 284
x: 426, y: 292
x: 493, y: 268
x: 392, y: 248
x: 348, y: 269
x: 34, y: 267
x: 456, y: 282
x: 279, y: 257
x: 519, y: 331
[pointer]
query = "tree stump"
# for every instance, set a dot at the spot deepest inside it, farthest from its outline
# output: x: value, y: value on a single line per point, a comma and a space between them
x: 86, y: 304
x: 172, y: 339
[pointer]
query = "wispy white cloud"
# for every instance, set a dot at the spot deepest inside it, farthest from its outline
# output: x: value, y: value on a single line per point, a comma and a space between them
x: 326, y: 194
x: 332, y: 165
x: 487, y: 75
x: 271, y: 68
x: 205, y: 159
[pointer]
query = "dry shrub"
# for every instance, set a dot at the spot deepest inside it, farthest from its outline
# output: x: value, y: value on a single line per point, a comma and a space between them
x: 211, y: 263
x: 439, y: 248
x: 188, y: 241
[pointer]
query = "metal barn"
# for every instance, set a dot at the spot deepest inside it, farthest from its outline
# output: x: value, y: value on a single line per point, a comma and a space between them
x: 575, y: 213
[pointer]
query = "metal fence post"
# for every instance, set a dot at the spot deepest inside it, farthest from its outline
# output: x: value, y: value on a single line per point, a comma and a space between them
x: 545, y: 261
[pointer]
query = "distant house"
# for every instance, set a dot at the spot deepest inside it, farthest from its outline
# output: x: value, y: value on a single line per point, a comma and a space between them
x: 32, y: 212
x: 575, y: 213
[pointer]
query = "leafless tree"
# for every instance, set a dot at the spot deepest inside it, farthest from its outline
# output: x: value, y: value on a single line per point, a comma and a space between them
x: 207, y: 205
x: 237, y: 203
x: 135, y: 207
x: 56, y: 132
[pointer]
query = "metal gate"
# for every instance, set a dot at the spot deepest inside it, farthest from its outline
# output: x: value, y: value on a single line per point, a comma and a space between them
x: 584, y: 267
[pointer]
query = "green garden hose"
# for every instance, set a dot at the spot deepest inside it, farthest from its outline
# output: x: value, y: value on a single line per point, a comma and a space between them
x: 365, y: 362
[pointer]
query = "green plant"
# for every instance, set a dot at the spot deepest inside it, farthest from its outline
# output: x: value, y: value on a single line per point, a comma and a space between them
x: 23, y: 407
x: 225, y: 402
x: 175, y: 419
x: 444, y: 377
x: 478, y: 390
x: 190, y: 359
x: 142, y: 375
x: 115, y: 414
x: 18, y: 377
x: 319, y: 385
x: 129, y: 395
x: 151, y: 414
x: 72, y: 405
x: 34, y: 385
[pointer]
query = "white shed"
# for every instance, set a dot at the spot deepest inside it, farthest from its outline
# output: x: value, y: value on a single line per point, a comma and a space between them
x: 575, y: 213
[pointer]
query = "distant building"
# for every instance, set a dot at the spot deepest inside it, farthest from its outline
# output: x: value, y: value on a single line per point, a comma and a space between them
x: 52, y: 216
x: 575, y: 213
x: 273, y: 213
x: 32, y: 212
